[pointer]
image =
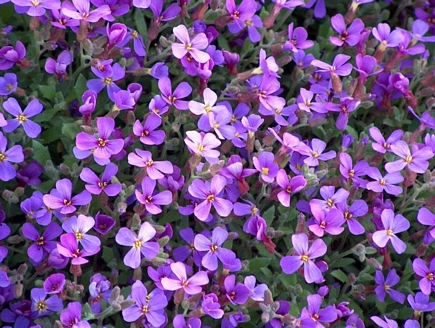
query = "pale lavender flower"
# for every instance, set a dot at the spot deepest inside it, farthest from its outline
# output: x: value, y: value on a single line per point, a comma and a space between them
x: 191, y: 286
x: 154, y: 169
x: 22, y: 117
x: 392, y: 225
x: 188, y: 46
x: 151, y: 200
x: 384, y: 183
x: 417, y: 161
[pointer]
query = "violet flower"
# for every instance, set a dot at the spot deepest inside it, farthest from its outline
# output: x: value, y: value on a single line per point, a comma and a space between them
x: 213, y: 248
x: 203, y: 144
x: 338, y: 67
x: 150, y: 305
x: 388, y: 39
x: 60, y: 198
x: 58, y: 67
x: 384, y: 183
x: 101, y: 146
x: 256, y: 293
x: 211, y: 306
x: 34, y: 108
x: 235, y: 293
x: 349, y: 35
x: 426, y: 217
x: 206, y: 109
x: 9, y: 56
x: 79, y: 226
x: 54, y: 283
x: 152, y: 201
x: 351, y: 172
x: 392, y: 225
x: 188, y: 46
x: 43, y: 305
x: 289, y: 186
x: 330, y: 222
x: 140, y: 244
x: 358, y: 209
x: 381, y: 145
x: 103, y: 223
x: 71, y: 317
x: 265, y: 164
x: 417, y: 161
x: 14, y: 155
x: 180, y: 322
x: 191, y: 286
x: 173, y: 98
x: 43, y: 244
x: 107, y: 78
x: 427, y: 283
x: 80, y: 10
x: 69, y: 247
x: 297, y: 39
x: 154, y: 169
x: 388, y: 323
x: 315, y: 153
x: 319, y: 7
x: 101, y: 185
x: 8, y: 84
x: 420, y: 303
x: 37, y: 8
x: 384, y: 286
x: 305, y: 256
x: 147, y: 132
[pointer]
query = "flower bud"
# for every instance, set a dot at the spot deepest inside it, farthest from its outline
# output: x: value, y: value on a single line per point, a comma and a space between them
x: 127, y: 303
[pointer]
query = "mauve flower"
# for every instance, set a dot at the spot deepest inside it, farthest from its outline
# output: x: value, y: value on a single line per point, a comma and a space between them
x: 71, y: 317
x: 417, y: 161
x: 322, y: 221
x: 101, y: 185
x: 388, y: 323
x: 426, y: 217
x: 180, y: 322
x: 14, y: 155
x: 173, y: 98
x: 213, y: 248
x: 289, y: 186
x: 203, y: 144
x: 154, y: 169
x: 265, y: 164
x: 315, y: 153
x: 211, y: 306
x: 54, y: 283
x: 60, y: 198
x: 43, y: 305
x: 147, y: 132
x: 392, y: 225
x: 381, y: 145
x: 256, y: 293
x: 206, y: 109
x: 80, y: 10
x: 388, y: 39
x: 338, y: 67
x: 101, y: 146
x: 22, y: 118
x: 151, y: 200
x: 305, y: 256
x: 150, y: 305
x: 354, y: 173
x: 58, y: 67
x: 188, y: 46
x: 10, y: 55
x: 384, y: 286
x: 313, y: 311
x: 359, y: 208
x: 384, y: 183
x: 427, y: 283
x: 297, y: 39
x: 349, y: 35
x: 211, y: 193
x: 235, y: 293
x: 69, y: 247
x: 191, y: 286
x: 79, y: 226
x: 107, y: 77
x: 140, y: 244
x: 420, y: 28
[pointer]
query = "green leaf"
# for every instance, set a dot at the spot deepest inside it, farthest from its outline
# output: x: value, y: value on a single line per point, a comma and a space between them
x: 269, y: 215
x: 40, y: 152
x: 80, y: 86
x: 340, y: 275
x: 256, y: 264
x: 342, y: 263
x: 47, y: 92
x: 140, y: 22
x: 47, y: 115
x: 70, y: 130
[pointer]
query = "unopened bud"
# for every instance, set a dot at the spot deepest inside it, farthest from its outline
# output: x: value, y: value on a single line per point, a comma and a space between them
x: 164, y: 42
x: 163, y: 241
x: 268, y: 298
x: 265, y: 317
x: 374, y: 263
x: 114, y: 295
x: 127, y: 303
x: 137, y: 274
x: 18, y: 290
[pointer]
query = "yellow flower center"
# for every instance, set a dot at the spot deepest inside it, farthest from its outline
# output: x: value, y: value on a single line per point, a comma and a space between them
x: 40, y: 241
x: 21, y: 118
x: 2, y: 157
x: 265, y: 170
x: 108, y: 80
x: 305, y: 258
x: 201, y: 147
x: 102, y: 185
x: 315, y: 154
x: 330, y: 202
x: 137, y: 244
x: 41, y: 306
x: 210, y: 198
x: 102, y: 142
x: 390, y: 232
x: 214, y: 248
x: 408, y: 159
x: 79, y: 235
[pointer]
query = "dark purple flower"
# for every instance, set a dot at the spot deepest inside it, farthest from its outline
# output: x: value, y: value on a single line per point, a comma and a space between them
x: 147, y: 132
x: 43, y: 244
x: 103, y: 223
x: 384, y: 286
x: 427, y: 283
x: 349, y: 35
x: 54, y: 283
x: 9, y: 56
x: 235, y: 293
x: 297, y: 39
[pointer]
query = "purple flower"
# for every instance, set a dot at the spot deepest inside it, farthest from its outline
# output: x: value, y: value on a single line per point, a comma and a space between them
x: 297, y: 39
x: 213, y: 248
x: 71, y: 317
x: 384, y: 183
x: 69, y: 247
x: 60, y: 198
x: 191, y: 286
x: 140, y: 244
x: 99, y: 290
x: 315, y: 153
x: 22, y: 118
x: 152, y: 201
x: 173, y: 98
x: 103, y: 185
x: 381, y: 145
x: 256, y: 293
x: 203, y: 144
x: 103, y: 223
x: 10, y: 55
x: 366, y: 65
x: 350, y: 36
x: 338, y: 67
x: 264, y: 163
x: 14, y: 155
x: 235, y: 293
x: 80, y: 10
x: 346, y: 106
x: 392, y: 225
x: 107, y: 77
x: 426, y: 217
x: 319, y: 9
x: 305, y: 256
x: 388, y: 39
x: 8, y: 84
x: 421, y: 303
x: 37, y: 8
x: 210, y: 192
x: 54, y: 283
x: 188, y: 46
x: 79, y: 226
x: 102, y: 147
x: 313, y: 311
x: 289, y: 186
x: 89, y: 99
x: 330, y: 222
x: 388, y: 323
x: 151, y: 305
x: 417, y: 161
x: 427, y: 283
x: 349, y: 171
x: 211, y: 306
x: 154, y: 169
x: 384, y: 286
x: 43, y: 305
x: 420, y: 28
x: 58, y: 67
x: 180, y: 322
x: 206, y: 109
x: 359, y: 208
x: 147, y: 132
x: 42, y: 244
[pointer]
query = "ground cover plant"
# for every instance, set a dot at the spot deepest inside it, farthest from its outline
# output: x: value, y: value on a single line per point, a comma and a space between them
x: 217, y: 163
